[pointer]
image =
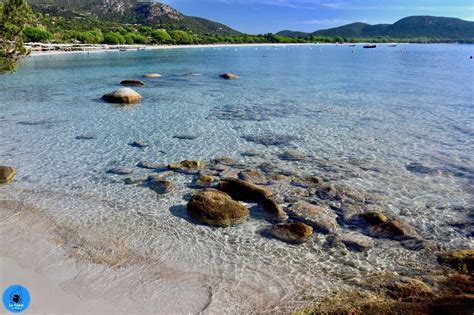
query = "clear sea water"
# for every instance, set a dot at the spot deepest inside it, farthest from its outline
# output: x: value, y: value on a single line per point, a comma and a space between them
x: 365, y: 116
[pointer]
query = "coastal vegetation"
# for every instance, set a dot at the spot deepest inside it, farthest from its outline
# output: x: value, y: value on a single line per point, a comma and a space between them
x: 14, y: 15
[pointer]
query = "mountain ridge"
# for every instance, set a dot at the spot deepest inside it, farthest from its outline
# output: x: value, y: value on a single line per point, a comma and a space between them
x: 147, y: 13
x: 408, y: 27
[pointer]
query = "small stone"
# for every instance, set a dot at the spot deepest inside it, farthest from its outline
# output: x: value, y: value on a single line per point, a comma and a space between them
x: 152, y: 75
x: 229, y: 76
x: 7, y: 174
x: 132, y: 83
x: 134, y: 181
x: 292, y: 232
x: 86, y: 137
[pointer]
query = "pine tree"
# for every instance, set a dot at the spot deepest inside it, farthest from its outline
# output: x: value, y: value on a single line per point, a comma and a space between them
x: 14, y: 15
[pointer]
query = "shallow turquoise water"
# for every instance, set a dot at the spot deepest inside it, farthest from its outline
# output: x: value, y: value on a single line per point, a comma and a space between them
x: 373, y: 113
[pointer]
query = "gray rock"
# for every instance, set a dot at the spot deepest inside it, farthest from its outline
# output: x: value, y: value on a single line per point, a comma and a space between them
x: 356, y: 241
x: 149, y: 165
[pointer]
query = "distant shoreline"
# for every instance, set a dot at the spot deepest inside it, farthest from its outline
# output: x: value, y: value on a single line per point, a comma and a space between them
x: 39, y: 49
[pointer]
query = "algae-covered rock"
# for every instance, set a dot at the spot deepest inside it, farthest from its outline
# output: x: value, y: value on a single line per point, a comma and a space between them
x: 216, y: 208
x: 123, y: 96
x: 462, y: 260
x: 7, y: 174
x: 292, y: 232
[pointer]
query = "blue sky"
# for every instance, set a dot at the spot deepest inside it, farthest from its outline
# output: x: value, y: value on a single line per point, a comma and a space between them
x: 263, y: 16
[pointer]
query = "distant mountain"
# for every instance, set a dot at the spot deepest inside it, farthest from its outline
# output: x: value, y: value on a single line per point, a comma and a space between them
x: 409, y: 27
x: 131, y: 12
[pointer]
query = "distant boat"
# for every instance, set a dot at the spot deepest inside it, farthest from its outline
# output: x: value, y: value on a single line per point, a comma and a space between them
x: 370, y: 46
x: 352, y: 45
x: 392, y: 45
x: 122, y: 49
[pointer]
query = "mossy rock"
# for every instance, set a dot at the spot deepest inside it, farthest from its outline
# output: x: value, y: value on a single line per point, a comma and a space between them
x: 462, y: 260
x: 216, y: 208
x: 7, y: 174
x: 292, y: 232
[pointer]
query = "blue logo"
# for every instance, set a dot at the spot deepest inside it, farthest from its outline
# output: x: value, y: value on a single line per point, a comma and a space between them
x: 16, y: 298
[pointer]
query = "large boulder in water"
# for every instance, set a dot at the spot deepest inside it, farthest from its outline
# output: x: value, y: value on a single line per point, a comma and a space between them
x: 123, y: 96
x: 292, y: 232
x: 216, y: 208
x: 7, y: 174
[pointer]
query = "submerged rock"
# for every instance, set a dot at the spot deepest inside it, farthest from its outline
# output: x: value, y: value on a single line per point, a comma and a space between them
x: 270, y: 139
x: 132, y: 83
x: 121, y: 171
x: 186, y: 136
x: 462, y: 260
x: 123, y: 96
x: 244, y: 191
x: 320, y: 218
x: 271, y: 206
x: 293, y: 155
x: 149, y: 165
x: 187, y: 166
x: 229, y: 76
x: 159, y: 185
x: 7, y: 174
x: 356, y: 241
x: 292, y: 232
x: 138, y: 144
x: 204, y: 181
x: 152, y: 75
x: 86, y: 137
x: 216, y: 208
x: 421, y: 169
x: 382, y: 226
x: 251, y: 176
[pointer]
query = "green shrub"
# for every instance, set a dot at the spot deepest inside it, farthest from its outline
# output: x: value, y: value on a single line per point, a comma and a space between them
x: 34, y: 34
x: 181, y: 37
x: 114, y: 39
x: 161, y: 37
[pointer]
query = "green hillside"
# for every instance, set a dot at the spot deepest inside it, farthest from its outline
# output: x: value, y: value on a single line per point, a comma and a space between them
x: 407, y: 28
